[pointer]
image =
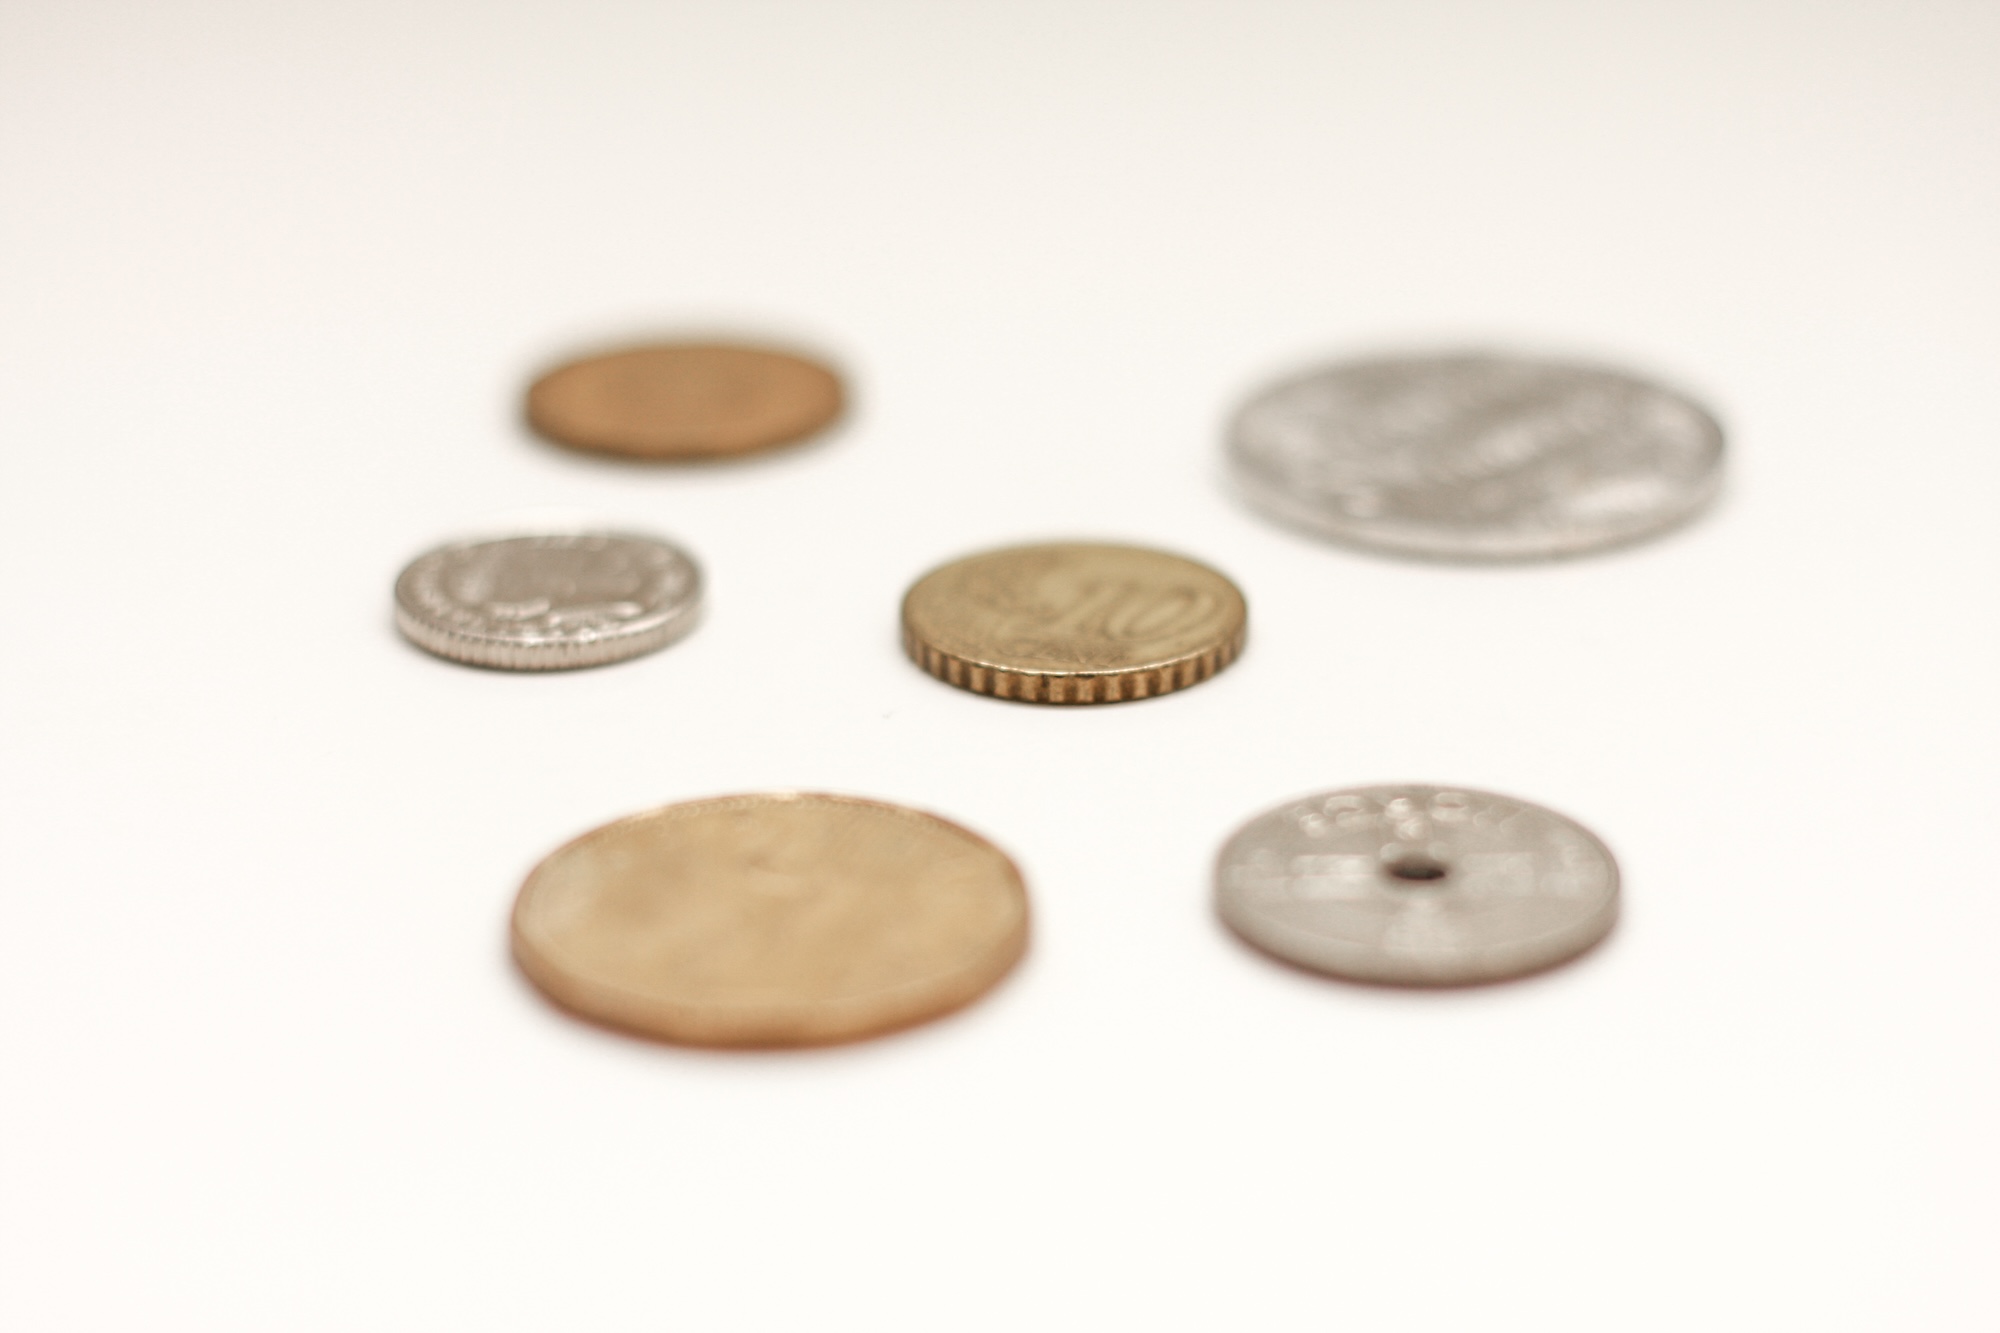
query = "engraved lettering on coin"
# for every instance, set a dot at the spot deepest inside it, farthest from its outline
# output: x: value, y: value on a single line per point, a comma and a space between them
x: 785, y: 919
x: 548, y: 601
x: 684, y: 400
x: 1475, y: 457
x: 1073, y: 622
x: 1417, y: 885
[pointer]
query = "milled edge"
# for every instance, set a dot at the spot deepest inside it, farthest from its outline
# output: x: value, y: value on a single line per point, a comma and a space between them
x: 549, y: 655
x: 1075, y: 687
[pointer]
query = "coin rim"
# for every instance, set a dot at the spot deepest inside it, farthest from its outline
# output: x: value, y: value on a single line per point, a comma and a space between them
x: 537, y: 421
x: 1350, y: 962
x: 1271, y: 495
x: 999, y: 680
x: 770, y: 1026
x: 637, y: 638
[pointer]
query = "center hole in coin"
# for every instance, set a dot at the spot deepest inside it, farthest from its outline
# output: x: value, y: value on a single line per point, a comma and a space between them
x: 1415, y: 867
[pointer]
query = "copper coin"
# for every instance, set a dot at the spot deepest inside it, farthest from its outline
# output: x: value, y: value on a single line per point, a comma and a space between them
x: 781, y: 919
x: 1073, y: 623
x: 684, y: 400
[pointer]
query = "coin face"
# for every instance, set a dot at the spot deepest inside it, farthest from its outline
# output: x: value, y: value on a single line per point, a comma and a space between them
x: 1073, y: 623
x: 548, y: 601
x: 684, y: 400
x: 1475, y: 457
x: 771, y: 920
x: 1419, y: 886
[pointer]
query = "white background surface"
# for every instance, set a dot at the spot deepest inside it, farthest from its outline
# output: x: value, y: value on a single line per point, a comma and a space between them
x: 272, y: 279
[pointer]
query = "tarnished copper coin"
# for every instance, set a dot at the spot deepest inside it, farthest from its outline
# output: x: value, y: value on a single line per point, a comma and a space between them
x: 782, y: 919
x: 1073, y: 623
x: 684, y: 400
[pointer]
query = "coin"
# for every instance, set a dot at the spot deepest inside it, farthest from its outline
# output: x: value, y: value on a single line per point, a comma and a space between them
x: 1475, y: 456
x: 1416, y: 885
x: 786, y: 919
x: 1073, y: 623
x: 550, y: 600
x: 684, y: 400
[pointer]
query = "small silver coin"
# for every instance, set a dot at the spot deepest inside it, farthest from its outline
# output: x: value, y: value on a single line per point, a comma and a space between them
x: 549, y: 601
x: 1416, y: 885
x: 1475, y: 457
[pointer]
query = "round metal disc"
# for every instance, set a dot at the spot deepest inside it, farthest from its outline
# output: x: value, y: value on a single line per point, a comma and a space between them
x: 777, y: 919
x: 685, y: 400
x: 1417, y: 885
x: 1073, y: 623
x: 549, y: 601
x: 1475, y: 456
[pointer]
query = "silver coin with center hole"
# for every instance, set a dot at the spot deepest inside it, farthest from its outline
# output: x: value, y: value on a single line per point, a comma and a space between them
x: 1417, y: 885
x: 1475, y: 456
x: 549, y: 601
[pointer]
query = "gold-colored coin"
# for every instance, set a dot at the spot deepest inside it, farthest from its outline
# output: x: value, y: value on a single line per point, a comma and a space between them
x: 684, y: 400
x: 1073, y: 623
x: 787, y: 919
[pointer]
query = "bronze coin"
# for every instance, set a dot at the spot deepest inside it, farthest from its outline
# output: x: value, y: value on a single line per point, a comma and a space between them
x: 782, y: 919
x: 1073, y: 623
x: 684, y: 400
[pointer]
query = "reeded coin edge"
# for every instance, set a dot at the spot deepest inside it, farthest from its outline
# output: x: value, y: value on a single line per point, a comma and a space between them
x: 770, y: 1026
x: 1074, y: 687
x: 1415, y: 968
x: 600, y: 649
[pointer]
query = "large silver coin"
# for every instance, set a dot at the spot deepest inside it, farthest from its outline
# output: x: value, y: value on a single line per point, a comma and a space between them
x: 1475, y: 457
x: 1419, y: 886
x: 549, y: 601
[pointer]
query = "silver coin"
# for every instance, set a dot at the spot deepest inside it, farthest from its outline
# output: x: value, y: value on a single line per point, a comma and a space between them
x: 1475, y: 457
x: 1415, y: 885
x: 549, y: 601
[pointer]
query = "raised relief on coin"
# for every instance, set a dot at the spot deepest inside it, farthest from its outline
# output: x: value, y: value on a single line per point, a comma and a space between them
x: 1475, y: 456
x: 548, y: 601
x: 784, y: 919
x: 1073, y: 623
x: 684, y: 401
x: 1417, y: 885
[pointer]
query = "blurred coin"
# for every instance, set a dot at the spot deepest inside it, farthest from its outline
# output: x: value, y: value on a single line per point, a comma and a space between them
x: 548, y: 601
x: 1475, y: 457
x: 1414, y: 885
x: 684, y: 400
x: 1073, y: 623
x: 786, y: 919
